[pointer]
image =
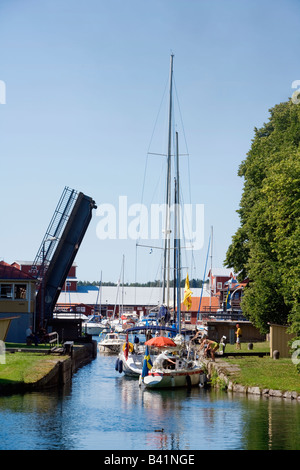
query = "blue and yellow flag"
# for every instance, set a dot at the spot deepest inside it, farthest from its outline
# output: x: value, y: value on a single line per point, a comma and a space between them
x: 147, y: 364
x: 187, y: 299
x: 228, y: 295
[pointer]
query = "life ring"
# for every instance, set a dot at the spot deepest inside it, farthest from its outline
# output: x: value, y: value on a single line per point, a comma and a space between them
x: 130, y: 347
x: 120, y: 366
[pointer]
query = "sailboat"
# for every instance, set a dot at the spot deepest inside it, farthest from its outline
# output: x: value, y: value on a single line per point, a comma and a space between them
x: 172, y: 369
x: 131, y: 357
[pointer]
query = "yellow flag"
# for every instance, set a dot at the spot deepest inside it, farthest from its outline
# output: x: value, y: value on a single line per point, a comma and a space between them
x: 187, y: 299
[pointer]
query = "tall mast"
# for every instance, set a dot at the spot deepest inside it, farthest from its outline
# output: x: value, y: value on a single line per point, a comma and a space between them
x: 178, y: 260
x: 168, y: 196
x: 123, y: 269
x: 211, y: 275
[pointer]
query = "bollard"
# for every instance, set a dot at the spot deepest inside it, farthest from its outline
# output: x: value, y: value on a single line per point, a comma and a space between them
x: 250, y: 346
x: 276, y: 354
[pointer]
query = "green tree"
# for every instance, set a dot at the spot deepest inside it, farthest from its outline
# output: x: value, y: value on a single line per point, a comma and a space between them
x: 266, y: 247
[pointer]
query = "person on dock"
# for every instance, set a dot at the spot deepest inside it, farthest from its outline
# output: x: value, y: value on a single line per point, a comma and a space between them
x: 210, y: 347
x: 196, y: 339
x: 238, y: 334
x: 31, y: 337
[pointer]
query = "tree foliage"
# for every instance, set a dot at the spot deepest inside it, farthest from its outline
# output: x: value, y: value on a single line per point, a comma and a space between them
x: 266, y: 246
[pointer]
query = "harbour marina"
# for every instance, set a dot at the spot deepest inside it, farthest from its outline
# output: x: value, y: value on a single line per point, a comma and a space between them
x: 165, y: 397
x: 101, y: 409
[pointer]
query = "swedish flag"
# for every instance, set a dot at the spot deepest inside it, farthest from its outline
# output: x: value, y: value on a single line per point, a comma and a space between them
x: 147, y: 364
x: 228, y: 295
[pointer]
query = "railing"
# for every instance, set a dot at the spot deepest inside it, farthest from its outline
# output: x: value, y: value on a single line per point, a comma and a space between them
x: 55, y: 229
x: 53, y: 338
x: 59, y: 314
x: 229, y: 316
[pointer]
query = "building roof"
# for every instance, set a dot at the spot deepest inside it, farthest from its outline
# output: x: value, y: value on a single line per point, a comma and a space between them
x: 221, y: 272
x: 30, y: 263
x: 111, y: 295
x: 9, y: 272
x: 206, y: 302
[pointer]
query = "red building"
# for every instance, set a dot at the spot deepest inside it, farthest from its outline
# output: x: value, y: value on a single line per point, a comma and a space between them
x: 29, y: 268
x: 207, y: 305
x: 218, y: 277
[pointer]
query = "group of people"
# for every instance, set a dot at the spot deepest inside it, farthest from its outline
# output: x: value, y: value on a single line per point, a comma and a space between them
x: 209, y: 346
x: 36, y: 338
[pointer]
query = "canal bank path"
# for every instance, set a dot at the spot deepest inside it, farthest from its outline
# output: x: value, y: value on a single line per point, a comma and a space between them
x: 58, y: 370
x: 222, y: 374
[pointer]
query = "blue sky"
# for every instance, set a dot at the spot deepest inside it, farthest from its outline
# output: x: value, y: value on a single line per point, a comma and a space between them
x: 84, y: 83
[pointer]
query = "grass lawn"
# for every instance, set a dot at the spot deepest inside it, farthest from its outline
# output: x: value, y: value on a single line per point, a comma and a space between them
x: 26, y: 346
x: 26, y: 367
x: 264, y: 372
x: 263, y: 346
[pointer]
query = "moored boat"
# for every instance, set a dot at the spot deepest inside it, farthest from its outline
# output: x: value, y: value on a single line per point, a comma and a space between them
x: 131, y: 358
x: 171, y: 371
x: 111, y: 343
x: 176, y: 369
x: 94, y: 326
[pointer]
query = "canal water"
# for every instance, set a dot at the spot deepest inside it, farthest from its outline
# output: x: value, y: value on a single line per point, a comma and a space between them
x: 103, y: 410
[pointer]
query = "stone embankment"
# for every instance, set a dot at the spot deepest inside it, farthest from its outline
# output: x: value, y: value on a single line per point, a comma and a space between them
x: 64, y: 369
x: 225, y: 373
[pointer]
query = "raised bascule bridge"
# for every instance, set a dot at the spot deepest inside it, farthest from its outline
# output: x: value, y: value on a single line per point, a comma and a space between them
x: 56, y: 255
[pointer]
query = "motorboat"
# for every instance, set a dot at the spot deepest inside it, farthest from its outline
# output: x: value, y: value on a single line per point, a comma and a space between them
x: 94, y: 326
x: 147, y: 321
x: 111, y: 343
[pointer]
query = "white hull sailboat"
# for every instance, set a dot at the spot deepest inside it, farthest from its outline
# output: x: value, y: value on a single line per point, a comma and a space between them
x: 131, y: 366
x: 130, y: 361
x: 183, y: 378
x: 183, y: 373
x: 174, y: 370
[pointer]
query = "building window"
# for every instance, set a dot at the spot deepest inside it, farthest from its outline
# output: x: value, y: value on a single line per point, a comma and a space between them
x: 219, y: 285
x: 13, y: 291
x: 20, y: 291
x: 187, y: 316
x: 6, y: 291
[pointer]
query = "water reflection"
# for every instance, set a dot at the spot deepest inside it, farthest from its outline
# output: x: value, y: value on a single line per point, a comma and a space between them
x: 102, y: 409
